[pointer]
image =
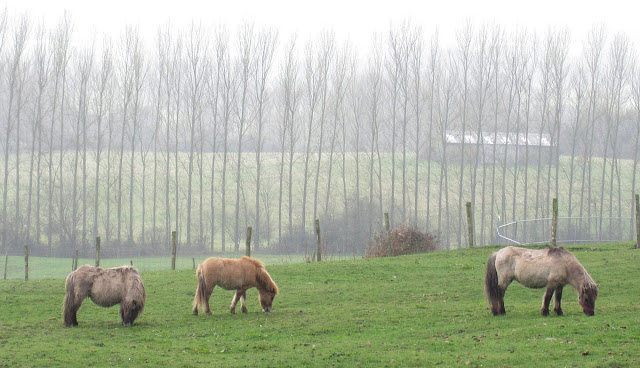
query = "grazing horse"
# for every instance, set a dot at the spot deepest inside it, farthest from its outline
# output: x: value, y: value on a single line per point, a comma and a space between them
x: 233, y: 274
x: 106, y: 287
x: 552, y: 268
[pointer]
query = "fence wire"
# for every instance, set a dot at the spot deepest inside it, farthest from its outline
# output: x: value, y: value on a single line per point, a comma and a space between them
x: 571, y: 230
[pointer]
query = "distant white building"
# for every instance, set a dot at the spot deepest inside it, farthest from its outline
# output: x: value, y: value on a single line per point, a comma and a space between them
x: 493, y: 147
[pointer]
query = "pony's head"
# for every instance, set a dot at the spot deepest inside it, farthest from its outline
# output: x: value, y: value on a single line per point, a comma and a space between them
x: 266, y: 300
x: 266, y: 288
x: 588, y: 296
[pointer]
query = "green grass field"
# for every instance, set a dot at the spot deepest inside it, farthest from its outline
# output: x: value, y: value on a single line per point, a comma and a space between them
x: 423, y: 310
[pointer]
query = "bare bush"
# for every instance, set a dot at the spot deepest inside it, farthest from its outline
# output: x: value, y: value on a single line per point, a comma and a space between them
x: 401, y: 241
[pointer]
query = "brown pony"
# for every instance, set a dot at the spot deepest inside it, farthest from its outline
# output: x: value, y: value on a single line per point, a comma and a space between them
x: 106, y: 287
x: 552, y: 268
x: 233, y: 274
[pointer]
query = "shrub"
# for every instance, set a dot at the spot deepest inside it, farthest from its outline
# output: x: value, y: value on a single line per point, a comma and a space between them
x: 400, y: 241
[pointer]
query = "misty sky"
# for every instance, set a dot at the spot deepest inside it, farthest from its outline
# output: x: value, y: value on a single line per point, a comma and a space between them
x: 356, y: 20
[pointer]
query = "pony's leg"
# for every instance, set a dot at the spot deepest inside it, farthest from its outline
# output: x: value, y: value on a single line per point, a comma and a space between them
x: 502, y: 288
x: 207, y: 309
x: 558, y: 298
x: 243, y: 301
x: 546, y: 300
x: 239, y: 296
x: 234, y: 301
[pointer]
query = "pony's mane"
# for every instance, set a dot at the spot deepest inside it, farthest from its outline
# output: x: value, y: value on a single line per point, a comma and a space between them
x: 256, y: 262
x: 265, y: 280
x: 262, y: 276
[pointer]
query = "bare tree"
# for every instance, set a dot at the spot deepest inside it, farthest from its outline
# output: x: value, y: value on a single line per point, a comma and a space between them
x: 103, y: 84
x: 339, y: 80
x: 246, y: 69
x: 464, y: 40
x: 373, y: 89
x: 325, y: 59
x: 213, y: 85
x: 288, y: 132
x: 635, y: 100
x: 560, y: 49
x: 15, y: 80
x: 83, y: 69
x: 317, y: 61
x: 593, y: 49
x: 228, y: 90
x: 42, y: 71
x: 196, y: 48
x: 445, y: 89
x: 616, y: 80
x: 432, y: 95
x: 3, y: 34
x: 578, y: 86
x: 482, y: 70
x: 265, y: 49
x: 169, y: 54
x: 418, y: 96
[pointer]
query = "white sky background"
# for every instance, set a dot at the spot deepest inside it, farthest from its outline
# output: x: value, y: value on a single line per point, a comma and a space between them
x: 355, y: 20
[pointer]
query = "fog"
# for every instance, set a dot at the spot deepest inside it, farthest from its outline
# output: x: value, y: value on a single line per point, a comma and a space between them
x: 208, y: 130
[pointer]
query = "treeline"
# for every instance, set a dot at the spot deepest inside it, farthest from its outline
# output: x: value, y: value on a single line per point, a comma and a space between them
x: 207, y: 130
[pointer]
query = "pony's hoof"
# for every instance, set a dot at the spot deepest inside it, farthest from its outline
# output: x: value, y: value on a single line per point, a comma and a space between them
x: 559, y: 312
x: 233, y: 311
x: 195, y: 312
x: 545, y: 313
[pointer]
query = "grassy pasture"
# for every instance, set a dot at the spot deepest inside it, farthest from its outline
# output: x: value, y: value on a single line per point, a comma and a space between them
x: 421, y: 310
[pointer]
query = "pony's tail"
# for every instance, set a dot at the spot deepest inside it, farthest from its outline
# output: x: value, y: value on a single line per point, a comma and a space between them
x: 69, y: 305
x: 491, y: 287
x: 200, y: 290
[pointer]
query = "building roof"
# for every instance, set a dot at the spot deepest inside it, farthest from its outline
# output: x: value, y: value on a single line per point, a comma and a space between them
x: 531, y: 139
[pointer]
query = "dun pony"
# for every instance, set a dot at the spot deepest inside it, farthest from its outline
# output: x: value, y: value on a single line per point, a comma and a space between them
x: 106, y: 287
x: 233, y: 274
x: 552, y: 268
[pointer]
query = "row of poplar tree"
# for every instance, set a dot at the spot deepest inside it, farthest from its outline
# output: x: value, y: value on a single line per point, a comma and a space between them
x: 208, y: 129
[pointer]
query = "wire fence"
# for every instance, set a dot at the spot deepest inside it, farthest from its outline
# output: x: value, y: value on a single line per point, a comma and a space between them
x: 336, y: 243
x: 571, y: 230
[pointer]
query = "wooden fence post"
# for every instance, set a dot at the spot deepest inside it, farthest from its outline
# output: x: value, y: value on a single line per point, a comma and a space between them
x: 193, y: 261
x: 387, y: 226
x: 554, y: 223
x: 470, y: 224
x: 173, y: 251
x: 75, y: 261
x: 248, y: 242
x: 637, y: 221
x: 6, y: 263
x: 97, y: 251
x: 26, y: 262
x: 319, y: 241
